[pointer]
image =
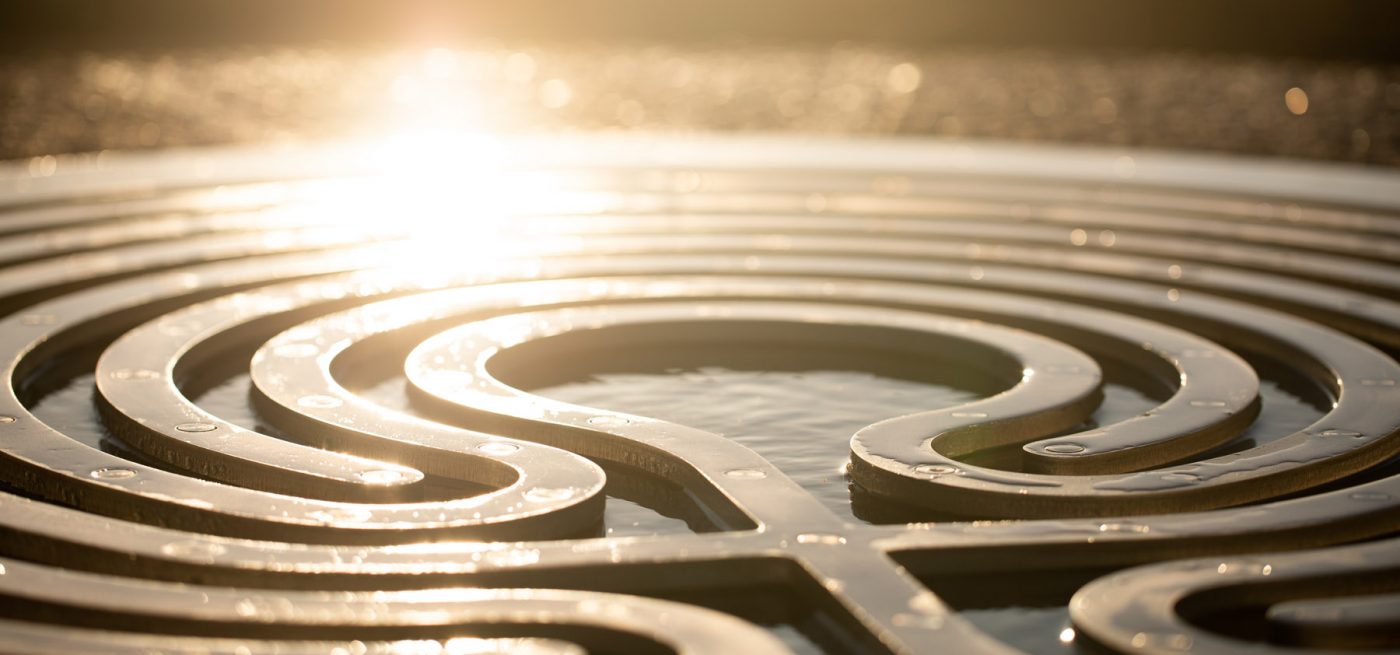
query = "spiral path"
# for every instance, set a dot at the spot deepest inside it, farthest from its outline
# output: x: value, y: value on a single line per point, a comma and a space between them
x: 400, y: 479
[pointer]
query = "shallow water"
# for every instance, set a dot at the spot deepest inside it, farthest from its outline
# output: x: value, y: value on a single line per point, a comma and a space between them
x: 799, y: 420
x: 802, y: 421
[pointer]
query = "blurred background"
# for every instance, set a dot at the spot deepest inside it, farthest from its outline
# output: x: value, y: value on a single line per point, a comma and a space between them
x: 1317, y: 79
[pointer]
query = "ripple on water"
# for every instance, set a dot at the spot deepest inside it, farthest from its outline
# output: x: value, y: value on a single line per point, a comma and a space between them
x: 801, y: 421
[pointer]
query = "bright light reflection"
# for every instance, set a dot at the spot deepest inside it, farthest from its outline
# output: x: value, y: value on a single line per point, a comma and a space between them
x: 439, y: 179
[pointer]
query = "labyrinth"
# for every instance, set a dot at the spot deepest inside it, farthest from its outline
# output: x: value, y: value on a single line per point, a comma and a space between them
x: 614, y: 394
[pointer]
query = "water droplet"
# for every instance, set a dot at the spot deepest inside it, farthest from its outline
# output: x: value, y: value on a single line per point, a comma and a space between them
x: 1296, y: 100
x: 7, y: 419
x: 319, y: 401
x: 1078, y: 237
x: 1335, y: 432
x: 1064, y: 448
x: 904, y: 77
x: 246, y: 608
x: 555, y: 94
x: 1208, y: 403
x: 295, y: 350
x: 498, y: 448
x: 608, y: 421
x: 1174, y: 272
x: 1156, y: 640
x: 193, y: 549
x: 113, y: 473
x: 746, y: 474
x: 1125, y: 526
x: 969, y: 415
x: 547, y: 494
x: 383, y: 476
x: 935, y: 470
x: 38, y: 319
x: 1173, y: 295
x: 824, y: 539
x: 347, y: 514
x: 1181, y: 476
x: 196, y: 427
x: 1107, y: 238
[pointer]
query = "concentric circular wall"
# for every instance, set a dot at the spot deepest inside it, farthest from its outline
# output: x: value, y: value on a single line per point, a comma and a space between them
x: 276, y: 401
